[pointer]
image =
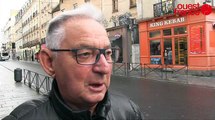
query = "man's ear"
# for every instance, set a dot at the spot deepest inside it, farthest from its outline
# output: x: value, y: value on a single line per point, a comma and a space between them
x: 46, y: 61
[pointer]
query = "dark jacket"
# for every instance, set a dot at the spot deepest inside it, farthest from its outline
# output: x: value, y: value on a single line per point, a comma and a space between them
x: 112, y: 107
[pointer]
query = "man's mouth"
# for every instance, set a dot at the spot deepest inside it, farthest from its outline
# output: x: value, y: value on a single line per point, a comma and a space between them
x: 97, y: 87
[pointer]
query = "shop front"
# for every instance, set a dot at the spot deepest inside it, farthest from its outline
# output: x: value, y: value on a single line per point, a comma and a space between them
x: 120, y: 39
x: 176, y: 41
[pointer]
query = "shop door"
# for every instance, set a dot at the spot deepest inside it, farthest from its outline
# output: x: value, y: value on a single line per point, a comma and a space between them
x: 118, y: 54
x: 167, y: 52
x: 181, y: 51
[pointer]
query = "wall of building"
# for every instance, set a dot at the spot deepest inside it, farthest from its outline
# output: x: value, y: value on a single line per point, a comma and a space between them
x: 200, y: 40
x: 126, y: 43
x: 147, y: 6
x: 43, y: 15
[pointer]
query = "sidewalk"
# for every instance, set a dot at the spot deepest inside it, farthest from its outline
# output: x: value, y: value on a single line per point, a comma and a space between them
x: 12, y: 94
x: 193, y: 80
x: 178, y: 77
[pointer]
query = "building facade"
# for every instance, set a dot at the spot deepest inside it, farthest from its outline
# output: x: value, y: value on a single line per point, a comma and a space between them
x: 177, y: 39
x: 9, y: 34
x: 35, y: 15
x: 30, y: 27
x: 135, y: 26
x: 120, y: 21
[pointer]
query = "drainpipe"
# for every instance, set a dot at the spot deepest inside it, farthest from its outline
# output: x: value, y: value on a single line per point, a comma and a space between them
x: 141, y: 5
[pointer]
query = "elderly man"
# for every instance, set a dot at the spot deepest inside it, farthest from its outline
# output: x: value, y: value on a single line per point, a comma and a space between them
x: 79, y: 58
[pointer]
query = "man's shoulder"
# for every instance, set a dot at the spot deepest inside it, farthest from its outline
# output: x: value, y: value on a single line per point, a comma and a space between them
x: 120, y: 99
x: 117, y: 95
x: 31, y: 105
x: 29, y: 108
x: 124, y: 107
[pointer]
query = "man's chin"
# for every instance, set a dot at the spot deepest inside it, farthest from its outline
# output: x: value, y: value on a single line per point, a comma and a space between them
x: 96, y: 97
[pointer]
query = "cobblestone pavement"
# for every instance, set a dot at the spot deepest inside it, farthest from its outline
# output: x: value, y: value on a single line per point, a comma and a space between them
x: 12, y: 93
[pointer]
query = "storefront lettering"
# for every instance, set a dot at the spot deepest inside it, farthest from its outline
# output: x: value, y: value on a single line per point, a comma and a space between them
x: 167, y: 22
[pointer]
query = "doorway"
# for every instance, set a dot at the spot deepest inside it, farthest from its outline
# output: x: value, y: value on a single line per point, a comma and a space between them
x: 167, y: 53
x: 181, y: 51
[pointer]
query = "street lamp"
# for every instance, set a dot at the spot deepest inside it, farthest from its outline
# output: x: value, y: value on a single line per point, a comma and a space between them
x: 52, y: 12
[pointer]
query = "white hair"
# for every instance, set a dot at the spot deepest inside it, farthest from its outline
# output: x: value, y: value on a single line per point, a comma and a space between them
x: 56, y: 32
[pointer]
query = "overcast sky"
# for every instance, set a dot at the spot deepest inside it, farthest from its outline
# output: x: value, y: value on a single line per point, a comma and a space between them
x: 5, y: 7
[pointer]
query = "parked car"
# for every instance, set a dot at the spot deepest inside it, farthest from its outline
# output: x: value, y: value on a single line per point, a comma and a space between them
x: 4, y: 56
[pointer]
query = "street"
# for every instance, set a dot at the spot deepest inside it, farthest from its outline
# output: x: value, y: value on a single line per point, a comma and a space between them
x: 158, y: 100
x: 168, y: 100
x: 11, y: 93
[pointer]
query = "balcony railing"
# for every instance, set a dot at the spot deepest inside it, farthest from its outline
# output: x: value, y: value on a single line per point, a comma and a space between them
x: 31, y: 43
x: 163, y: 8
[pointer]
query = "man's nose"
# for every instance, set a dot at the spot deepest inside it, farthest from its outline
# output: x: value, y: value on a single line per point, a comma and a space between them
x: 102, y: 65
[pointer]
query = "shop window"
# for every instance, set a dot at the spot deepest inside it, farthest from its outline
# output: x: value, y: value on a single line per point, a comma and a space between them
x: 180, y: 30
x: 154, y: 34
x: 167, y: 32
x: 115, y: 5
x: 155, y: 48
x: 118, y: 53
x: 155, y: 61
x: 168, y: 51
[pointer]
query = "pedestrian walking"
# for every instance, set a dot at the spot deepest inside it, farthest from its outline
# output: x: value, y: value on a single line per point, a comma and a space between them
x: 37, y: 56
x: 79, y: 58
x: 18, y: 58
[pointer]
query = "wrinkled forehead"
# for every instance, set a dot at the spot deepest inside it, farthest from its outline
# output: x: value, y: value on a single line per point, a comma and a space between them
x: 91, y: 43
x: 86, y: 33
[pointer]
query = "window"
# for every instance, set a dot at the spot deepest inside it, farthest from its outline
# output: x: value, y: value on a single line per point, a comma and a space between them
x: 157, y: 9
x: 167, y: 32
x: 180, y: 30
x: 155, y: 60
x: 155, y: 48
x: 154, y: 34
x: 132, y: 3
x: 115, y: 5
x: 116, y: 42
x: 75, y: 5
x: 135, y: 35
x: 168, y: 51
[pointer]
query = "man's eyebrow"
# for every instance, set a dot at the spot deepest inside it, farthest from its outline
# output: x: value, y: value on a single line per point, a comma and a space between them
x: 84, y: 45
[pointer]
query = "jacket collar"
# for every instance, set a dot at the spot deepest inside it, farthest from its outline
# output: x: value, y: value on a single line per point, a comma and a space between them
x: 66, y: 113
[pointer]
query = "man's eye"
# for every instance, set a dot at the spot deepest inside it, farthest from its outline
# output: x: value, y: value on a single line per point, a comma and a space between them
x: 84, y: 54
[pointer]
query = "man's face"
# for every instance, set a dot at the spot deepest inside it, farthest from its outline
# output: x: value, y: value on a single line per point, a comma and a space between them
x: 82, y: 85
